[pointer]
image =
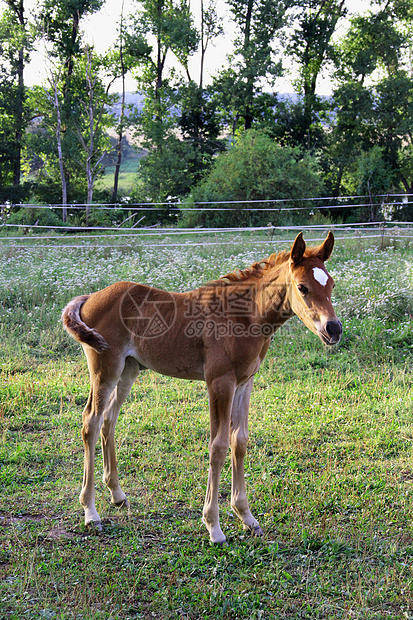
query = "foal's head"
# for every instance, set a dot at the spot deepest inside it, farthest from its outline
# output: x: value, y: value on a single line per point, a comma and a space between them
x: 311, y: 287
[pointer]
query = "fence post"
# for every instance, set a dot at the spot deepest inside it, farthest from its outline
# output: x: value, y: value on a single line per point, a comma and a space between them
x: 382, y: 236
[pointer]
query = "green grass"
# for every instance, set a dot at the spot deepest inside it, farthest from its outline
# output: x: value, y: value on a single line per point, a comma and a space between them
x: 329, y: 468
x: 127, y: 176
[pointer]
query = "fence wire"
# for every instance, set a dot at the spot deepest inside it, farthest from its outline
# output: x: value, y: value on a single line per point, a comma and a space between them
x: 63, y: 236
x: 202, y: 205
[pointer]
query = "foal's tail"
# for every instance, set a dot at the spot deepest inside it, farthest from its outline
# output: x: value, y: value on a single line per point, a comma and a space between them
x: 74, y: 325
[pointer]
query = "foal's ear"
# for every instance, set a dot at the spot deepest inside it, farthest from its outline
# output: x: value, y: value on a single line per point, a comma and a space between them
x: 298, y: 249
x: 326, y: 248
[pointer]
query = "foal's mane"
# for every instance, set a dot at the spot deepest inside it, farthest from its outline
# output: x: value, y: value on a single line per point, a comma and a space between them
x: 256, y: 270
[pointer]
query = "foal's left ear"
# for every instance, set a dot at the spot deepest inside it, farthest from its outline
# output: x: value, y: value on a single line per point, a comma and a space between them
x: 326, y: 248
x: 298, y: 249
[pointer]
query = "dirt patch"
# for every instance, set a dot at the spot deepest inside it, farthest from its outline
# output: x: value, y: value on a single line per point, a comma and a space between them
x: 6, y: 519
x: 59, y: 532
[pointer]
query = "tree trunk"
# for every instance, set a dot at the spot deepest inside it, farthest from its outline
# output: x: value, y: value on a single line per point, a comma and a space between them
x: 248, y: 116
x: 121, y: 117
x: 119, y: 146
x: 60, y: 151
x: 203, y: 48
x: 19, y: 10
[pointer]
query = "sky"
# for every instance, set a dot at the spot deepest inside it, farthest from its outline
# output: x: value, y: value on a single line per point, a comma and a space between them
x: 100, y: 30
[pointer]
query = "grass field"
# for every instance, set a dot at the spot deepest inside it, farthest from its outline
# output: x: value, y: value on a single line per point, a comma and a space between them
x: 329, y: 467
x: 127, y: 177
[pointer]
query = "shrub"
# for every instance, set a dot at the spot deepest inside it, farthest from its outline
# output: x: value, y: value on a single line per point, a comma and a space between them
x: 257, y: 168
x: 42, y: 216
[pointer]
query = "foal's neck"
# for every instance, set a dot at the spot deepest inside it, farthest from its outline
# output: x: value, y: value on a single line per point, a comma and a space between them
x: 272, y: 295
x: 267, y: 291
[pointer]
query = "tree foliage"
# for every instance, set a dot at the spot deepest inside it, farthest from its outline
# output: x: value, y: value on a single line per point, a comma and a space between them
x: 237, y: 138
x: 309, y: 44
x: 71, y: 108
x: 15, y: 44
x: 374, y: 97
x: 253, y: 62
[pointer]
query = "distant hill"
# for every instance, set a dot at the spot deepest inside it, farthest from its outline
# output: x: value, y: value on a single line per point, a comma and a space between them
x: 136, y: 100
x: 132, y: 100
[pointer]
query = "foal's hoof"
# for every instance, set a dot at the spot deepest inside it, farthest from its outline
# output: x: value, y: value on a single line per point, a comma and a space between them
x: 124, y: 504
x: 94, y: 526
x: 220, y: 543
x: 256, y: 530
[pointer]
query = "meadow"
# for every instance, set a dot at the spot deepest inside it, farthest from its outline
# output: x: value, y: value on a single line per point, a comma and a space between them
x: 127, y: 177
x: 329, y: 466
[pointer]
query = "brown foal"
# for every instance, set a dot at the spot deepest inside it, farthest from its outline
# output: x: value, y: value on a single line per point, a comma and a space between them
x: 218, y: 333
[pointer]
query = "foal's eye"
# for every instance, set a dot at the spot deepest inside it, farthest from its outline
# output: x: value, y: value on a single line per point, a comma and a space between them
x: 303, y: 289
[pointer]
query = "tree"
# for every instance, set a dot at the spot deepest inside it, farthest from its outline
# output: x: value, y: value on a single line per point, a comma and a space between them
x: 131, y: 49
x: 374, y: 98
x: 59, y: 23
x: 256, y: 169
x: 392, y: 129
x: 239, y: 87
x: 354, y: 104
x: 170, y: 23
x: 17, y: 7
x: 7, y: 93
x: 120, y: 128
x: 201, y: 127
x: 90, y: 101
x: 211, y: 27
x: 91, y: 121
x: 370, y: 176
x: 15, y: 44
x: 373, y: 41
x: 54, y: 80
x: 315, y: 22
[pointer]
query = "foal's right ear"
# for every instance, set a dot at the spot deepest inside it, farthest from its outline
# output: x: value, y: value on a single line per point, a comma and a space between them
x: 326, y: 247
x: 298, y: 249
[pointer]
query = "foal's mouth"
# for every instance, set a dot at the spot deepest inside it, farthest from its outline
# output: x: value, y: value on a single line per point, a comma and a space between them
x: 331, y: 332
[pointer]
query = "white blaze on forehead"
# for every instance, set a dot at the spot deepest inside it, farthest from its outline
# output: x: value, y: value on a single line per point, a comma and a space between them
x: 320, y: 275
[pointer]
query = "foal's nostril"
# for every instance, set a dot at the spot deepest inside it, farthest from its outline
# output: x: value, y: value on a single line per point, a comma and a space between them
x: 334, y: 329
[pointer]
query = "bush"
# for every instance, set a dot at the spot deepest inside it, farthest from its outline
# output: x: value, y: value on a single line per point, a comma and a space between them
x: 15, y: 193
x: 41, y: 216
x: 369, y: 176
x: 104, y: 217
x: 256, y: 168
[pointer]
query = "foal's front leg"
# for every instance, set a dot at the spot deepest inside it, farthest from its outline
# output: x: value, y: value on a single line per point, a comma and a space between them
x: 221, y: 393
x: 239, y: 441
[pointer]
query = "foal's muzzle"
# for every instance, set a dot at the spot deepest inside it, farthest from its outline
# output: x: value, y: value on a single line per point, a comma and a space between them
x: 331, y: 332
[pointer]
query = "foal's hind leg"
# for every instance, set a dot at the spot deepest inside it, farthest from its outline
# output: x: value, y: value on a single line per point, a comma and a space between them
x: 239, y: 440
x: 107, y: 433
x: 104, y: 376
